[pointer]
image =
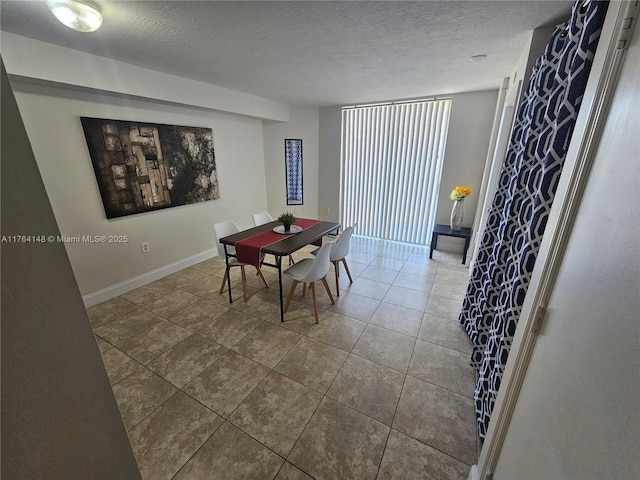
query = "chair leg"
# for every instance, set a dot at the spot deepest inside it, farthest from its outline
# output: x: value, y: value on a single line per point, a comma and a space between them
x: 326, y: 287
x: 262, y: 276
x: 244, y: 283
x: 336, y: 266
x: 344, y: 260
x: 224, y: 281
x: 291, y: 260
x: 304, y: 289
x: 315, y: 303
x: 291, y: 292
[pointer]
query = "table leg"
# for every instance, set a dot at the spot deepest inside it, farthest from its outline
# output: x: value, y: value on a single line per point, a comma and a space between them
x: 279, y: 264
x: 434, y: 243
x: 466, y: 247
x: 226, y: 259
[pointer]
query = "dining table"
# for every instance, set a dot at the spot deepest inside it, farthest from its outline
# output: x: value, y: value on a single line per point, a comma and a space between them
x: 251, y: 245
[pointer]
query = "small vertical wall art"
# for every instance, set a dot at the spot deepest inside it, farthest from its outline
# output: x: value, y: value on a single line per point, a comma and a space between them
x: 293, y: 166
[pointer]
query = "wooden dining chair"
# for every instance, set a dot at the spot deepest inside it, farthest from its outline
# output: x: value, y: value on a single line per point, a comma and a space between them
x: 223, y: 229
x: 310, y: 270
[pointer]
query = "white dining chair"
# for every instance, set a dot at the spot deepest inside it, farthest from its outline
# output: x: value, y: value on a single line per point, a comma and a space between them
x: 223, y: 229
x: 339, y: 253
x: 310, y: 270
x: 265, y: 217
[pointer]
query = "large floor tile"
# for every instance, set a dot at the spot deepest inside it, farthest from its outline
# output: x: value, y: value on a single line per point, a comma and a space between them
x: 148, y: 293
x: 166, y: 439
x: 414, y: 282
x: 446, y: 332
x: 276, y: 412
x: 368, y: 387
x: 226, y: 383
x: 337, y: 330
x: 140, y: 394
x: 261, y: 305
x: 289, y: 472
x: 397, y: 318
x: 355, y: 306
x: 154, y: 341
x: 187, y: 359
x: 198, y: 314
x: 340, y: 443
x: 406, y: 297
x: 231, y: 454
x: 109, y: 310
x: 127, y: 326
x: 171, y: 303
x: 407, y: 459
x: 444, y: 306
x: 229, y: 328
x: 184, y: 277
x: 379, y: 274
x: 449, y: 289
x: 440, y: 418
x: 208, y: 289
x: 118, y: 365
x: 384, y: 346
x: 267, y: 344
x: 369, y: 288
x: 312, y: 363
x: 453, y: 274
x: 443, y: 366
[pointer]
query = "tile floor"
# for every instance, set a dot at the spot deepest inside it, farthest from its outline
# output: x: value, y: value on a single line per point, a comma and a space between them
x: 380, y: 389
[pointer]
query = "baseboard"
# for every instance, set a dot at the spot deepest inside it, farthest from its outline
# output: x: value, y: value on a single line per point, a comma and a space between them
x: 474, y: 473
x: 113, y: 291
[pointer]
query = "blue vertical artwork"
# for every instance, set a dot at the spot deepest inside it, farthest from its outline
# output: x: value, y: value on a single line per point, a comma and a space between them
x: 293, y: 163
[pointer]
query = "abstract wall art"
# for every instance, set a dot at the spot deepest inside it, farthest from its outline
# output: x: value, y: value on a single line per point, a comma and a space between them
x: 142, y: 167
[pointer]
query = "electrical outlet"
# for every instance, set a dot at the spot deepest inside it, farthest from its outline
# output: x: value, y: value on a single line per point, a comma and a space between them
x: 296, y: 210
x: 326, y: 210
x: 145, y: 247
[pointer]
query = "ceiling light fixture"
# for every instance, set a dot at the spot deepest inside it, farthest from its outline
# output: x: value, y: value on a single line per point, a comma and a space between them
x: 77, y: 15
x: 476, y: 58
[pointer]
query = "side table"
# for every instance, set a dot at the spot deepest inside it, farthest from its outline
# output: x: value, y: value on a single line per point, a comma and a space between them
x: 464, y: 232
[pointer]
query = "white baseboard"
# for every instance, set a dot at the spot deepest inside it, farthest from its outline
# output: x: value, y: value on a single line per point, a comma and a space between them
x: 474, y: 473
x: 113, y: 291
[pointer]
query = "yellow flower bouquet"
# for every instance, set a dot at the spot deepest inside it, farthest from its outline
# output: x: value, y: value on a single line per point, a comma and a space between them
x: 460, y: 193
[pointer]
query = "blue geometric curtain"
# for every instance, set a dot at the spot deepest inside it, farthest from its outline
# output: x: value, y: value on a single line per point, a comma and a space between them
x: 522, y: 201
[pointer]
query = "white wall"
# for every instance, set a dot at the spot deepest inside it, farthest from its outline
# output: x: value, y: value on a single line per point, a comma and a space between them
x: 466, y: 150
x: 577, y: 415
x: 303, y: 124
x: 51, y: 117
x: 329, y: 163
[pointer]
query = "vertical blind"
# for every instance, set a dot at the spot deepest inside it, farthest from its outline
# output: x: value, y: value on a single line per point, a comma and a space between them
x: 391, y: 165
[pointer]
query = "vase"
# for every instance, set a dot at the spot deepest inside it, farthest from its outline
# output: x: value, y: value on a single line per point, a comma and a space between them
x: 287, y: 227
x: 457, y: 214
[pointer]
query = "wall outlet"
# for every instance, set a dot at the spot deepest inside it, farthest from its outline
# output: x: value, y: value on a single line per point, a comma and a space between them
x: 296, y: 210
x: 145, y: 247
x: 326, y: 210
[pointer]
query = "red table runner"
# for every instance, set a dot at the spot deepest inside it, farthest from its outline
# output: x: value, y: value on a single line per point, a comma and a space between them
x: 249, y: 250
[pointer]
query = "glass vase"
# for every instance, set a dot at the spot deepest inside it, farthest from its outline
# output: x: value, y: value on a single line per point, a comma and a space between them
x: 457, y: 214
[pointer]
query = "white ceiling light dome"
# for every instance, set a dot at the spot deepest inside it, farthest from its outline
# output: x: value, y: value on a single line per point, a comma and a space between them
x: 77, y: 15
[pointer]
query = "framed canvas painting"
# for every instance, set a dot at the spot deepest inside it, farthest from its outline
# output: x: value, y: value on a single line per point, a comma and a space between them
x: 142, y: 167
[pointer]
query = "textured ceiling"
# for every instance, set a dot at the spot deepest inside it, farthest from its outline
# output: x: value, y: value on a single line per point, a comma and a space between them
x: 308, y: 53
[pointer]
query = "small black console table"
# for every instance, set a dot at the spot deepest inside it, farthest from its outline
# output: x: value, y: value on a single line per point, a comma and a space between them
x: 464, y: 232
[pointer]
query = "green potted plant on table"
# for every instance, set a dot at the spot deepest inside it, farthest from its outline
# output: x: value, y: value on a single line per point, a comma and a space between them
x: 287, y: 219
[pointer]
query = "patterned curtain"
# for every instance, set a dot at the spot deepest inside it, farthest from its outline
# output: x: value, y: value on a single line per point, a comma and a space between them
x: 522, y: 201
